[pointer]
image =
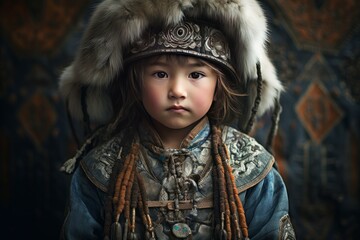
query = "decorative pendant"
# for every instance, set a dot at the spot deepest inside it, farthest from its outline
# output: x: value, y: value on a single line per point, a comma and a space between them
x: 181, y: 230
x: 222, y: 234
x: 133, y: 236
x: 116, y: 231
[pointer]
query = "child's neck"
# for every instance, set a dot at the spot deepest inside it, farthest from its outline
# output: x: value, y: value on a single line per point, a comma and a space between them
x: 172, y: 138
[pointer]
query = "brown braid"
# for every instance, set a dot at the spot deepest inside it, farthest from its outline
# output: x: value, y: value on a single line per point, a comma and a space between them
x: 131, y: 158
x: 141, y: 208
x: 109, y: 199
x: 119, y: 179
x: 224, y: 204
x: 240, y: 208
x: 145, y: 208
x: 119, y: 167
x: 234, y: 212
x: 128, y: 195
x: 230, y: 191
x: 129, y: 192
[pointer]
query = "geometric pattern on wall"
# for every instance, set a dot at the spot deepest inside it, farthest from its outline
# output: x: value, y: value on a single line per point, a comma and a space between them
x: 351, y: 72
x: 322, y: 24
x: 38, y: 26
x: 37, y: 117
x: 318, y: 112
x: 6, y: 73
x: 317, y: 221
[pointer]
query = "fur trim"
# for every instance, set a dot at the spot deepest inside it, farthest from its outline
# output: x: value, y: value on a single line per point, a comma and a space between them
x: 272, y: 86
x: 116, y: 24
x: 97, y: 99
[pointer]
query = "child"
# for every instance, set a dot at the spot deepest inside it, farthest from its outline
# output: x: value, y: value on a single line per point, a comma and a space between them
x: 167, y: 79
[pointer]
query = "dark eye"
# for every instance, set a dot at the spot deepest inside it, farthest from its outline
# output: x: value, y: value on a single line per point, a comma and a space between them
x: 160, y: 74
x: 196, y: 75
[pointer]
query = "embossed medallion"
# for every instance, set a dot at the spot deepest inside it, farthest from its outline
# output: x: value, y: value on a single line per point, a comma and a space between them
x: 181, y: 230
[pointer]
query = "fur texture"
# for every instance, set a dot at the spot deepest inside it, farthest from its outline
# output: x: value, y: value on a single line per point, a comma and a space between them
x: 115, y: 24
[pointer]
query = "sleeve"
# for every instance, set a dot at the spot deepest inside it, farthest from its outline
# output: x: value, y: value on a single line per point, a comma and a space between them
x: 84, y: 219
x: 267, y: 210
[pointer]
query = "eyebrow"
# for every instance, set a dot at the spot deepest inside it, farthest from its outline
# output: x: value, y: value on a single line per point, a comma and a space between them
x: 157, y: 63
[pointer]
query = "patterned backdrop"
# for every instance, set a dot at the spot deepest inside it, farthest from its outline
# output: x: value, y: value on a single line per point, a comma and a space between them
x: 315, y: 45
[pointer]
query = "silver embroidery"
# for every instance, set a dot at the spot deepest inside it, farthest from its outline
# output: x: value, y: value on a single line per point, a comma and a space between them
x: 107, y: 156
x: 244, y: 152
x: 216, y: 44
x: 184, y: 35
x: 286, y: 231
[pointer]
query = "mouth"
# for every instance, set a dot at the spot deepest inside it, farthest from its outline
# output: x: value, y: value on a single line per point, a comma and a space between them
x: 177, y: 108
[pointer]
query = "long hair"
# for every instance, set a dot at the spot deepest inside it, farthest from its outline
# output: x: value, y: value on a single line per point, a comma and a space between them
x: 127, y: 194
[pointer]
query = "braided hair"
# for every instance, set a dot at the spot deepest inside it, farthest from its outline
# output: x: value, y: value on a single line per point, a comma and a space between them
x: 127, y: 195
x: 126, y: 192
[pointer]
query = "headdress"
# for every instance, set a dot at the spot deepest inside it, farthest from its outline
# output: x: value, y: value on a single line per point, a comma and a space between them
x: 231, y: 34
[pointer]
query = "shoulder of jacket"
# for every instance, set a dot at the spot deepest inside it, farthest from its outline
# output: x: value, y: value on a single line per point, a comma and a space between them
x: 249, y: 160
x: 99, y: 162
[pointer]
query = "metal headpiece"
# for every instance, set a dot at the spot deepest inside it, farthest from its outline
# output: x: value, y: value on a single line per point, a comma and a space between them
x: 185, y: 38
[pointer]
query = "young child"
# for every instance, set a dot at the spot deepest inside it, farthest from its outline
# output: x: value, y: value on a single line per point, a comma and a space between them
x: 167, y: 79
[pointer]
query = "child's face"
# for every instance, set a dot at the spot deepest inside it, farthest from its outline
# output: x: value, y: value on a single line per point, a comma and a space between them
x: 175, y: 93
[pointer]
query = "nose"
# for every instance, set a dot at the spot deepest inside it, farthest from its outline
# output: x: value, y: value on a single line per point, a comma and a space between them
x: 177, y: 89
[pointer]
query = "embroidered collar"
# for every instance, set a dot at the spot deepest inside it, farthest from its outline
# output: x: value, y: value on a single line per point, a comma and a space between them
x: 151, y: 139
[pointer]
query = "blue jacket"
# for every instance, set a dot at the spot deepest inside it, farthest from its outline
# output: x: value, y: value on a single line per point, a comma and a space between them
x: 262, y: 190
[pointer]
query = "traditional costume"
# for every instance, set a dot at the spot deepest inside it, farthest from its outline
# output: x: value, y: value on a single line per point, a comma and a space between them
x: 220, y: 183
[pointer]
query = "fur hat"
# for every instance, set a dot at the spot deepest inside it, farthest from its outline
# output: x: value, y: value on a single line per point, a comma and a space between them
x: 117, y: 24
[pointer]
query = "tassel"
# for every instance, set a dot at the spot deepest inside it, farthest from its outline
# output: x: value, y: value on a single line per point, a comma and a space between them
x: 222, y: 234
x: 133, y: 236
x: 126, y: 229
x: 116, y: 231
x: 149, y: 236
x: 69, y: 166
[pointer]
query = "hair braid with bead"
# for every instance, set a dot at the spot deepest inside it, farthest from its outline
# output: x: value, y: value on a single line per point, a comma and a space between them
x: 128, y: 191
x: 230, y: 206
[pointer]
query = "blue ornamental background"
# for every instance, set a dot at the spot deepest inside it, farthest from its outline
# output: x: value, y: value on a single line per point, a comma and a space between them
x: 315, y: 45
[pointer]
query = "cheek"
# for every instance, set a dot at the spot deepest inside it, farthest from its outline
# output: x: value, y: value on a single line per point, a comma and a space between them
x: 150, y: 97
x: 204, y: 99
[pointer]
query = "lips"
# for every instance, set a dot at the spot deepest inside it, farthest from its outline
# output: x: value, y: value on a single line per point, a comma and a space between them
x: 177, y: 108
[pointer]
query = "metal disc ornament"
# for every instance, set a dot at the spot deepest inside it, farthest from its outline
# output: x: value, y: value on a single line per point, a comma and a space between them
x: 181, y: 230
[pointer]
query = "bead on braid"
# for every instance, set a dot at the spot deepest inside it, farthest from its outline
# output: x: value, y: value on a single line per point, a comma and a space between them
x: 125, y: 182
x: 145, y: 208
x: 230, y: 189
x: 224, y: 204
x: 234, y: 215
x: 239, y: 205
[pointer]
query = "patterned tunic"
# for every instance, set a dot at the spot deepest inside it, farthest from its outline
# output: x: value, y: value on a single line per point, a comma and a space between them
x: 179, y: 186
